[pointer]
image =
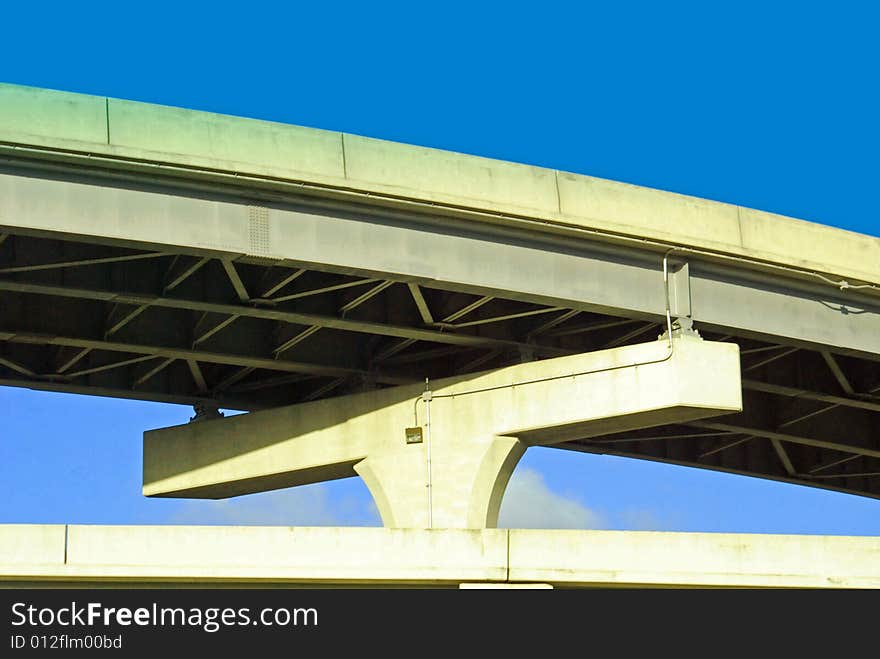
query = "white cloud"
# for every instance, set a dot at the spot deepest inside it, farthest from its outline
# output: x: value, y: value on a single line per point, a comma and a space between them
x: 308, y: 505
x: 530, y: 504
x: 644, y: 519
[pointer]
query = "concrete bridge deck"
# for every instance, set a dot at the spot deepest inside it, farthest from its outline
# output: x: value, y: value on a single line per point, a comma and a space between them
x: 162, y: 141
x: 205, y: 556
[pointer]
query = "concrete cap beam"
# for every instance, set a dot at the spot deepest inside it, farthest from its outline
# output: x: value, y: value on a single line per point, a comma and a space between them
x: 473, y: 430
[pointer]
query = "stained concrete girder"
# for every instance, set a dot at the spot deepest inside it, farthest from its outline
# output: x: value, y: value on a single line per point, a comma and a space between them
x: 479, y: 427
x: 75, y: 555
x: 154, y: 140
x: 577, y: 274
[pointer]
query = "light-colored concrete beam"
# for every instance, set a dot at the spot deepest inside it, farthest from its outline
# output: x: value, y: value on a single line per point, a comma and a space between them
x: 574, y: 273
x: 474, y: 430
x: 31, y: 544
x: 581, y: 558
x: 251, y: 554
x: 139, y: 137
x: 204, y: 555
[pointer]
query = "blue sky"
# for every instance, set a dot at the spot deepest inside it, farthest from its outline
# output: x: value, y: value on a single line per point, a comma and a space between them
x: 769, y: 106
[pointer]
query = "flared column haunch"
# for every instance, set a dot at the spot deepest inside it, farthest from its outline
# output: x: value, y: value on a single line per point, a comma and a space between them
x: 443, y: 458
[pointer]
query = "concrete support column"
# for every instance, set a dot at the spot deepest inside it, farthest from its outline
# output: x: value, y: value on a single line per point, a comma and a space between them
x: 464, y: 488
x: 480, y: 425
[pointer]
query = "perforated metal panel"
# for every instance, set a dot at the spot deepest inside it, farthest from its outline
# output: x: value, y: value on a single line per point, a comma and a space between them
x: 259, y: 230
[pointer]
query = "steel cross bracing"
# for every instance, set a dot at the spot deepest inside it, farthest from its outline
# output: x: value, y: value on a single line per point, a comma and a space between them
x: 216, y: 330
x: 206, y: 304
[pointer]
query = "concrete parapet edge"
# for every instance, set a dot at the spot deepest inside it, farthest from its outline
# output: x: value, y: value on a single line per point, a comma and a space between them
x: 357, y: 556
x: 164, y: 136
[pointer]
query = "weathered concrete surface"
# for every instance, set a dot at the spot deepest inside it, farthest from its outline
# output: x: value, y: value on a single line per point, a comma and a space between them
x: 479, y: 427
x: 627, y: 283
x: 205, y: 556
x: 577, y: 558
x: 44, y: 117
x: 252, y: 554
x: 443, y: 175
x: 171, y: 137
x: 221, y: 141
x: 32, y: 544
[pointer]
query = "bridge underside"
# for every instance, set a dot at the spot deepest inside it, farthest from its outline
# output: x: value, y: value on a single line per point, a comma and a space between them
x: 96, y: 314
x: 62, y: 330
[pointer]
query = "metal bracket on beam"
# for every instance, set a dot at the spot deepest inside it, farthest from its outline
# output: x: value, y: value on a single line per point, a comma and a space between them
x: 679, y: 292
x: 205, y: 412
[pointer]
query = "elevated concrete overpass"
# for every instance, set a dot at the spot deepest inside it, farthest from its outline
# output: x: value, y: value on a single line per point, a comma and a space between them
x: 253, y: 557
x: 179, y: 256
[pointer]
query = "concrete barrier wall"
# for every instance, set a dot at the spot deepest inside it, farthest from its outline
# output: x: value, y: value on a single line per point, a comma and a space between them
x: 212, y: 555
x: 694, y: 559
x: 201, y: 140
